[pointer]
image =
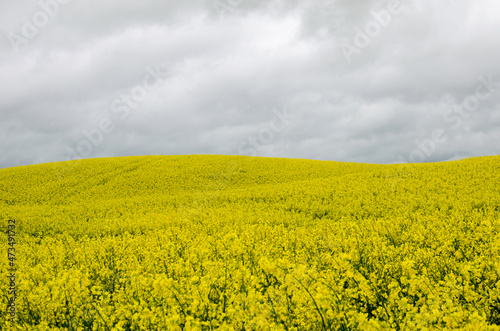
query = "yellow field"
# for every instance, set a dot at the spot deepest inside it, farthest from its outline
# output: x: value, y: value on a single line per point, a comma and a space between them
x: 242, y: 243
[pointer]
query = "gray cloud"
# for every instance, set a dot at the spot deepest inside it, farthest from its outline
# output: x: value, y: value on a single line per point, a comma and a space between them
x: 224, y: 79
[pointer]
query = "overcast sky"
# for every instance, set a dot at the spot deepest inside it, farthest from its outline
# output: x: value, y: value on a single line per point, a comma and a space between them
x: 344, y: 80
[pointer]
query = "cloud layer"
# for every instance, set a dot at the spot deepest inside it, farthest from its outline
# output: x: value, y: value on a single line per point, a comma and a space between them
x: 363, y: 81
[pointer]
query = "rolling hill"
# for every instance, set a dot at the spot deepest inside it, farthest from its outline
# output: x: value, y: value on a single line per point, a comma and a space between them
x: 203, y: 242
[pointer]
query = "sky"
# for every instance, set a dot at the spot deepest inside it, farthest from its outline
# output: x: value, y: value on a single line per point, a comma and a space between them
x: 356, y: 81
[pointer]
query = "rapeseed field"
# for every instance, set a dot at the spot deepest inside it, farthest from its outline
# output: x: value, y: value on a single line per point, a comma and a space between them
x: 207, y: 242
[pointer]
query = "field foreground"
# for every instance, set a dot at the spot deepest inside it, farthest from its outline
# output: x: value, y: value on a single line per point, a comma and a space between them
x: 241, y: 243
